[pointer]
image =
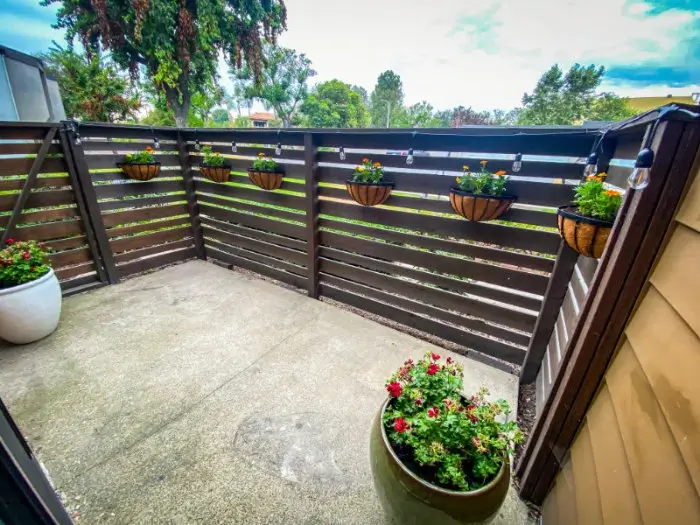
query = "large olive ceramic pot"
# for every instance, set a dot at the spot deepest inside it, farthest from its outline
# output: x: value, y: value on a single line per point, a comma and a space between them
x: 409, y: 500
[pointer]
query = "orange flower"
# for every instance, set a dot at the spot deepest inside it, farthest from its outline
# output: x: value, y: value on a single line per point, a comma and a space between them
x: 149, y: 149
x: 465, y: 167
x: 261, y: 155
x: 376, y: 164
x: 602, y: 175
x: 612, y: 193
x: 500, y: 173
x: 365, y: 159
x: 591, y: 177
x: 484, y: 162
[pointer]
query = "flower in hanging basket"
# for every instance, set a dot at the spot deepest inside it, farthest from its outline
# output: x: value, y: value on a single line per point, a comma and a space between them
x: 266, y: 173
x: 587, y: 224
x: 366, y: 186
x: 213, y: 167
x: 447, y: 440
x: 481, y: 195
x: 141, y: 165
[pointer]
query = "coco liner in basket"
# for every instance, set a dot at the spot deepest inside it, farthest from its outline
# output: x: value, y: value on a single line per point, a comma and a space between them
x: 477, y: 207
x: 585, y: 235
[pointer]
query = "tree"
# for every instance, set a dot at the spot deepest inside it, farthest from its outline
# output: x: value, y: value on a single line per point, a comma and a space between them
x: 571, y: 98
x: 419, y: 115
x: 501, y: 117
x: 283, y: 83
x: 201, y: 105
x: 176, y: 43
x: 334, y: 104
x: 362, y: 92
x: 220, y: 116
x: 91, y: 88
x: 386, y: 98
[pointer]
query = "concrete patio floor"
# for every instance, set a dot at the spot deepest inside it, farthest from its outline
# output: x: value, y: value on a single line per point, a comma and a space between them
x: 200, y: 395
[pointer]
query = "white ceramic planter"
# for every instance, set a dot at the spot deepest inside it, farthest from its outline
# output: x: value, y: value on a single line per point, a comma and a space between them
x: 30, y: 311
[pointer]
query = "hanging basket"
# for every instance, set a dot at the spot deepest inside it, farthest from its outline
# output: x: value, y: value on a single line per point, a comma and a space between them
x: 479, y: 207
x: 141, y: 171
x: 584, y: 235
x: 267, y: 180
x: 369, y: 193
x: 216, y: 173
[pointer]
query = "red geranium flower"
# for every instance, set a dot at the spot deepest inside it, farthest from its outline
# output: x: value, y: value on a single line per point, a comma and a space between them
x: 394, y: 388
x: 476, y: 441
x: 433, y: 369
x: 460, y: 409
x: 27, y: 255
x: 10, y: 241
x: 400, y: 425
x: 419, y: 402
x: 433, y: 412
x: 435, y: 357
x: 449, y: 360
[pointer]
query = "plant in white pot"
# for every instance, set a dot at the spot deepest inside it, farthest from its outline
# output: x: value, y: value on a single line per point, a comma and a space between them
x: 30, y: 296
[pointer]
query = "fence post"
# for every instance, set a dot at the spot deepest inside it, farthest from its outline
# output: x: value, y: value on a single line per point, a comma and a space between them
x: 192, y: 205
x: 87, y: 190
x: 82, y: 209
x: 311, y: 177
x: 553, y: 299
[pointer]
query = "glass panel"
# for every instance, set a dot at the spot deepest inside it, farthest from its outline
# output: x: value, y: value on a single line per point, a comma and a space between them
x: 7, y: 104
x: 28, y: 91
x: 56, y: 103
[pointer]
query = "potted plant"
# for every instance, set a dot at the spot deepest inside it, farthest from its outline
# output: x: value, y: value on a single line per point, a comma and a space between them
x: 266, y: 173
x: 213, y: 167
x: 30, y: 296
x: 481, y: 196
x: 141, y: 165
x: 586, y: 224
x: 366, y: 185
x: 437, y: 457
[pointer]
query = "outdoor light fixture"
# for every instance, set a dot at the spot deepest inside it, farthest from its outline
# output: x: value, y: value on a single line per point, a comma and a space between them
x: 156, y: 144
x: 591, y: 166
x: 640, y: 177
x: 518, y: 162
x: 234, y: 148
x: 278, y: 149
x: 341, y: 153
x: 409, y: 158
x: 74, y: 128
x: 197, y: 145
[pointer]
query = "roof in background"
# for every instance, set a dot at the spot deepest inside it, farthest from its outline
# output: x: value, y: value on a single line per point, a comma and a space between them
x: 262, y: 116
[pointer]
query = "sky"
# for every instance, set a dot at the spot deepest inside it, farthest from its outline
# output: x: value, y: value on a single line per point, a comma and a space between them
x: 483, y: 54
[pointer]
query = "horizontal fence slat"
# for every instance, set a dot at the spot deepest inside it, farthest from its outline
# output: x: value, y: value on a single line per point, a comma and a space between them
x: 28, y: 148
x: 434, y: 243
x: 523, y: 281
x: 41, y: 182
x: 144, y: 201
x: 265, y: 248
x: 252, y: 151
x: 544, y: 170
x: 148, y: 226
x: 255, y: 256
x: 533, y: 193
x: 501, y: 314
x: 496, y: 234
x: 291, y: 170
x: 107, y: 161
x: 138, y: 188
x: 70, y: 257
x: 141, y: 265
x: 485, y: 345
x: 67, y: 244
x: 142, y: 241
x: 266, y: 236
x: 254, y: 266
x: 152, y: 250
x: 80, y: 284
x: 246, y: 136
x: 25, y: 130
x: 143, y: 214
x: 252, y: 193
x: 22, y: 165
x: 254, y: 221
x: 39, y: 199
x: 73, y: 271
x: 126, y: 131
x: 42, y: 216
x: 572, y: 144
x: 442, y: 303
x: 47, y: 231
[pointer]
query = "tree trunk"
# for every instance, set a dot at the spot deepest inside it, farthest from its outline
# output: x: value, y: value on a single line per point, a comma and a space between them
x: 179, y: 102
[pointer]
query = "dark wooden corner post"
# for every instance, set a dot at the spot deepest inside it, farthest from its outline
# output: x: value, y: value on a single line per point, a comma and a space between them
x: 190, y: 192
x: 85, y: 192
x: 311, y: 175
x: 634, y: 244
x: 553, y: 299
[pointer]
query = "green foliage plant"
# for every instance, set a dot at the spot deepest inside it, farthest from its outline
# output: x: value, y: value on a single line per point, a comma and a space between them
x: 147, y: 156
x: 211, y: 158
x: 265, y: 163
x: 483, y: 182
x: 22, y: 262
x: 453, y: 442
x: 594, y: 200
x: 368, y: 172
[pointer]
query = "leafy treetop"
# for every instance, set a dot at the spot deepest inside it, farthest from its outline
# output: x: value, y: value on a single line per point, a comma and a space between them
x: 178, y: 43
x: 386, y: 98
x: 334, y: 104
